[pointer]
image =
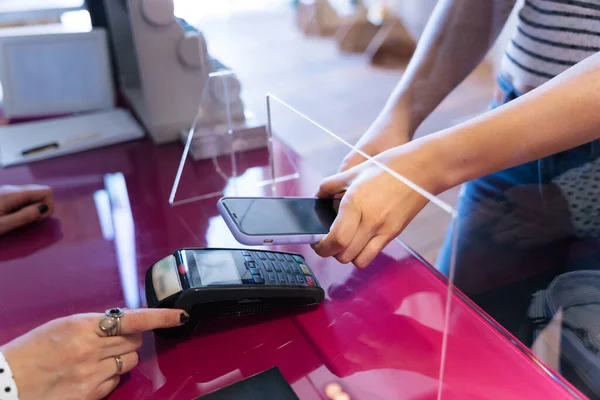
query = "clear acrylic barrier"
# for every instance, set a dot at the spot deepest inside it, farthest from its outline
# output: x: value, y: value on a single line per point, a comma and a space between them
x: 386, y: 322
x: 227, y: 149
x: 404, y: 307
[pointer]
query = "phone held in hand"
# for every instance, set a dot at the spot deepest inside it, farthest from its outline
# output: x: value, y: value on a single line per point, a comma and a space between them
x: 256, y: 221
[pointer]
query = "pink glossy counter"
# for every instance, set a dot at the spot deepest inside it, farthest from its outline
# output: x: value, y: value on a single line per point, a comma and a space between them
x: 378, y: 333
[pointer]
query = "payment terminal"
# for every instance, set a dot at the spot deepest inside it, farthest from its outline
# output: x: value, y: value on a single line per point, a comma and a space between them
x: 231, y: 282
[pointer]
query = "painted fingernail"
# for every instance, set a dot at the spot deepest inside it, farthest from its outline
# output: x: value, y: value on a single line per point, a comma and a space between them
x: 184, y: 317
x: 43, y: 208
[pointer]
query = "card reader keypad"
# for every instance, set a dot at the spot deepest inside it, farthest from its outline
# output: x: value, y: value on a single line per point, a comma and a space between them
x: 268, y: 266
x: 278, y: 269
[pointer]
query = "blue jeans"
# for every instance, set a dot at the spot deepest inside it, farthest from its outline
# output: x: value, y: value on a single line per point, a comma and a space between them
x: 514, y: 234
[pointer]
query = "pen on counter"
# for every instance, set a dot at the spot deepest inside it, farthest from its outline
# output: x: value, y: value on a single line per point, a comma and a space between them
x: 56, y: 145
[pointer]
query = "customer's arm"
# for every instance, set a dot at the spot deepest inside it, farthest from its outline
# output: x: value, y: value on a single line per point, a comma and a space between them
x: 560, y: 115
x: 457, y: 37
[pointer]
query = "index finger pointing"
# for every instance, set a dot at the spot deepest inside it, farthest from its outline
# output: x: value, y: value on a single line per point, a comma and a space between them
x: 146, y: 319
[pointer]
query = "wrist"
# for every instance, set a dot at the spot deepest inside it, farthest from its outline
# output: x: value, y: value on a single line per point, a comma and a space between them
x: 407, y: 109
x: 399, y: 116
x: 422, y: 162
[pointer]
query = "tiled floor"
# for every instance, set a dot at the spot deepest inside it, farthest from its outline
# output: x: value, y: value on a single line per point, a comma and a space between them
x: 340, y: 91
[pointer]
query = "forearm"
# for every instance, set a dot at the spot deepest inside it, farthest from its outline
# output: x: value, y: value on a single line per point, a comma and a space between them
x: 560, y: 115
x: 457, y: 36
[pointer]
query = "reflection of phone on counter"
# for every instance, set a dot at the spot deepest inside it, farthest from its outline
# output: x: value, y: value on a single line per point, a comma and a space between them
x: 278, y: 220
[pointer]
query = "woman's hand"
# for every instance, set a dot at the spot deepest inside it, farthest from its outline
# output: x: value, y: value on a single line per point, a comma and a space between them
x: 387, y: 132
x: 71, y: 358
x: 22, y: 205
x: 376, y: 206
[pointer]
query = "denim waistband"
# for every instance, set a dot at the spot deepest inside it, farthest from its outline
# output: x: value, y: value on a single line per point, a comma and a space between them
x: 503, y: 92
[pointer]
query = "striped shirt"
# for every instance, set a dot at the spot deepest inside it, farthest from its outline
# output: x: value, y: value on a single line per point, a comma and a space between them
x: 550, y: 37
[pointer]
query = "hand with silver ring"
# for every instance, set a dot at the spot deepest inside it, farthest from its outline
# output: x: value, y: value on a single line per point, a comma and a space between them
x: 119, y: 362
x: 82, y: 356
x: 111, y: 323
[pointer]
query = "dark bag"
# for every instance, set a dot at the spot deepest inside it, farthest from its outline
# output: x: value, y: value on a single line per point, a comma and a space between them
x: 578, y: 294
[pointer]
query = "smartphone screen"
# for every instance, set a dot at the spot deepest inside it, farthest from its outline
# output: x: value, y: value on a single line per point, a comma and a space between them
x: 282, y: 216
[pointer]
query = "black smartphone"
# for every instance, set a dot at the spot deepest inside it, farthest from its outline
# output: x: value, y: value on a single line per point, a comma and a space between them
x: 278, y: 220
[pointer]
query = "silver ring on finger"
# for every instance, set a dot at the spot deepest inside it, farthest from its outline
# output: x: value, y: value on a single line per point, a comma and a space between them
x: 119, y: 362
x: 111, y: 323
